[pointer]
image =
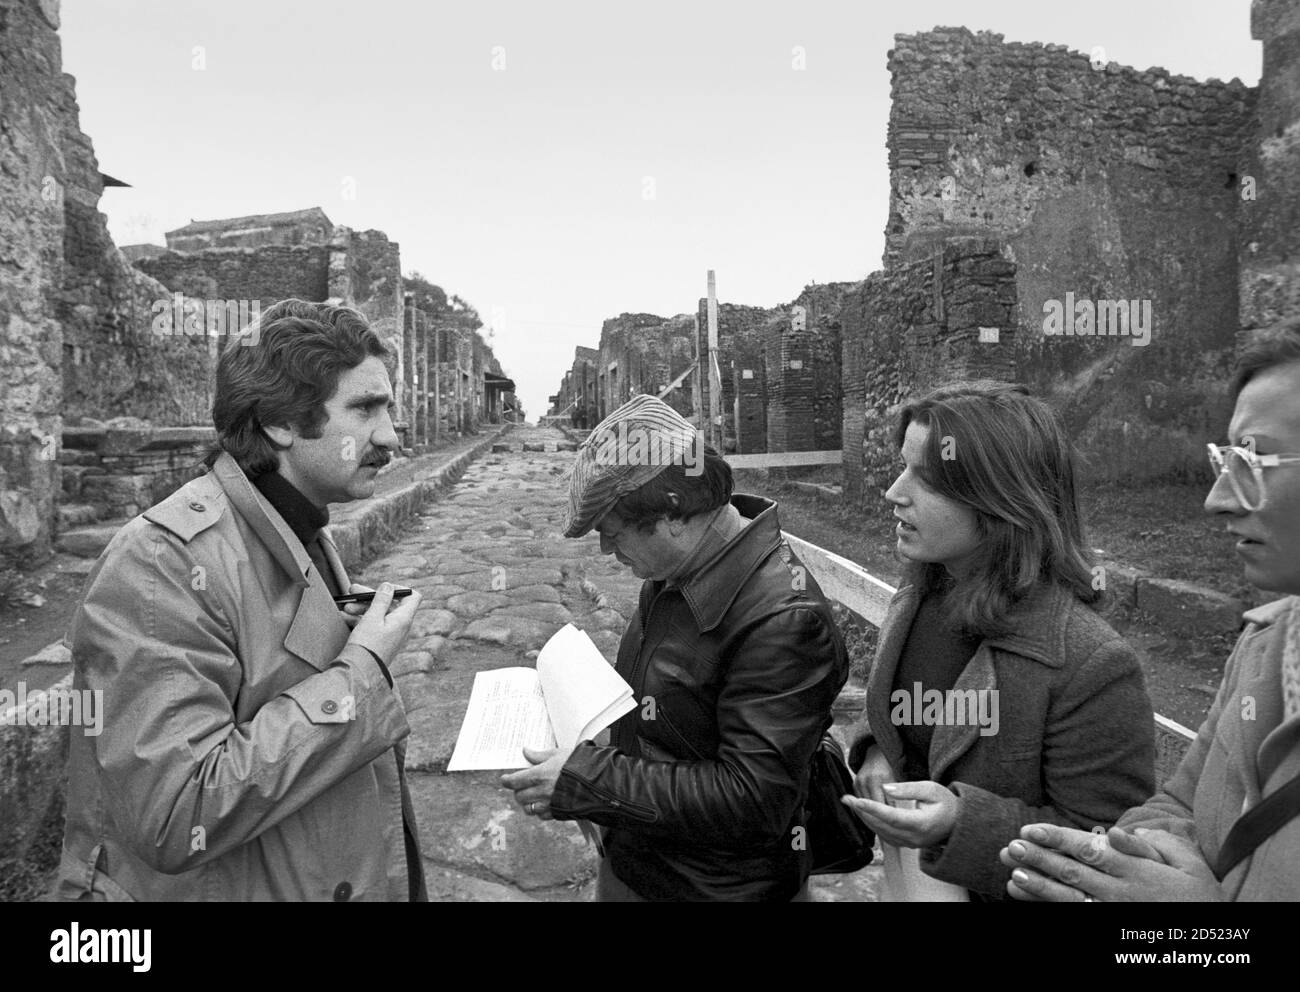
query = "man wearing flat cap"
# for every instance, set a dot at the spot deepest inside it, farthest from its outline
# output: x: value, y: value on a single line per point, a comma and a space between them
x: 734, y: 660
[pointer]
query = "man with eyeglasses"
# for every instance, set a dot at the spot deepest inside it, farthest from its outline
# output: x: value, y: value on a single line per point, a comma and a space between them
x: 1227, y: 824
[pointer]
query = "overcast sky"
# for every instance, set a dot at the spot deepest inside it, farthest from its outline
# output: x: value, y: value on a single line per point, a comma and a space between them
x: 556, y: 163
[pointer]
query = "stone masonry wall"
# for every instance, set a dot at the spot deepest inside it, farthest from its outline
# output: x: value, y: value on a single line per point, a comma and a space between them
x: 742, y: 332
x: 265, y: 274
x: 35, y: 99
x: 912, y: 328
x: 1105, y: 184
x: 366, y: 273
x: 1269, y: 257
x: 627, y: 360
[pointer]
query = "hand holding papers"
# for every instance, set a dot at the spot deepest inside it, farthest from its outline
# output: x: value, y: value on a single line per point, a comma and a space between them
x: 572, y: 695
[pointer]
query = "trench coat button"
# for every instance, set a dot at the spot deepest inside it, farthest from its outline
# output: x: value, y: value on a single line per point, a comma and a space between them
x: 196, y: 506
x: 342, y: 892
x: 330, y: 707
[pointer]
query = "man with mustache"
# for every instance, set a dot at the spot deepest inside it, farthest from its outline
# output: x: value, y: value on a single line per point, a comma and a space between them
x: 1226, y: 826
x: 251, y: 742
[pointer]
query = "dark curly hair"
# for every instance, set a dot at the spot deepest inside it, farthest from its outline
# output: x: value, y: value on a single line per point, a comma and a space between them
x: 696, y: 492
x: 280, y: 373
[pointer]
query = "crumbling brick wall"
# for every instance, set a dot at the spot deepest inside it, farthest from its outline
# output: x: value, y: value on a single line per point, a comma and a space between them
x: 1269, y: 180
x: 909, y: 329
x: 365, y: 272
x: 267, y: 274
x: 741, y: 334
x: 804, y: 373
x: 1105, y: 184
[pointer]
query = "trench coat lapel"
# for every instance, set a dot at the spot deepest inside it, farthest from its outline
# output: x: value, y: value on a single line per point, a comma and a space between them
x: 1278, y: 753
x: 268, y: 525
x: 893, y: 635
x: 335, y: 561
x: 317, y: 632
x: 952, y: 740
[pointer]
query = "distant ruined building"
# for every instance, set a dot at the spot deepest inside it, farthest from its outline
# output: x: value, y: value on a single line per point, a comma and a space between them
x: 1025, y: 179
x: 101, y: 414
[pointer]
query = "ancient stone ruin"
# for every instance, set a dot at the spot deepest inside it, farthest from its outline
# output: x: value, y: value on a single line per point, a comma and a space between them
x: 108, y: 353
x: 1108, y: 236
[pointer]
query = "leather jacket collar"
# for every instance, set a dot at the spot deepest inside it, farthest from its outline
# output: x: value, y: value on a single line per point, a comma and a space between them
x: 715, y: 584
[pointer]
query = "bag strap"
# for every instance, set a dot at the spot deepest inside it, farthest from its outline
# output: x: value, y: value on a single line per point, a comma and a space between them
x: 1257, y: 825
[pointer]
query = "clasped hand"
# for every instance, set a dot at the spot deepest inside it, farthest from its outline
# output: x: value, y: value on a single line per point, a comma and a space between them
x: 1061, y: 864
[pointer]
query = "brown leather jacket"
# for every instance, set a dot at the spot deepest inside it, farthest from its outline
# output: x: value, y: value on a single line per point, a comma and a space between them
x: 703, y: 785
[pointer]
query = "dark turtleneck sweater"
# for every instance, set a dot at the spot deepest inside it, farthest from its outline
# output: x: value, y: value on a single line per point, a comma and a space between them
x: 304, y: 518
x: 933, y: 656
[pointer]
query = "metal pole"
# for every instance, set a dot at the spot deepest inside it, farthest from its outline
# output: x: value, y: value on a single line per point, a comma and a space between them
x: 715, y: 373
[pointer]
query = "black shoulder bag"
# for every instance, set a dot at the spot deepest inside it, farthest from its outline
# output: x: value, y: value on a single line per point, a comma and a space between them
x: 838, y: 840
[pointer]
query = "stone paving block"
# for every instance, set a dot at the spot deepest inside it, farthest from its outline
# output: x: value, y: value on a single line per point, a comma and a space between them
x: 515, y: 631
x: 433, y: 621
x: 477, y: 604
x: 538, y: 593
x: 421, y: 659
x: 533, y: 575
x: 445, y: 885
x: 533, y: 447
x: 500, y: 448
x: 435, y: 593
x: 478, y: 580
x: 606, y: 619
x: 450, y: 565
x: 549, y: 612
x: 467, y: 822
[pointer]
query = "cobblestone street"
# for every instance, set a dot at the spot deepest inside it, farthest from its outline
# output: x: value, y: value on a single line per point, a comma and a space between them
x: 498, y: 580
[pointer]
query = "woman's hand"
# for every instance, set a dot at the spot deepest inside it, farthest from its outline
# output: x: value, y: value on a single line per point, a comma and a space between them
x: 873, y: 774
x: 928, y: 824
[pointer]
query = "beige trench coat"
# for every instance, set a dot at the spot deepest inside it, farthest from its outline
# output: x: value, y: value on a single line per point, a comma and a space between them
x: 1245, y: 750
x: 247, y: 752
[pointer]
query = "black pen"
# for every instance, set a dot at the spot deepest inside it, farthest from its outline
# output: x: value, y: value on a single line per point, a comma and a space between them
x: 366, y: 597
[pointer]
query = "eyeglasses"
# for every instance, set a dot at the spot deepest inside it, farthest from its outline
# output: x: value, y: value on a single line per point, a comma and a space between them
x: 1245, y: 470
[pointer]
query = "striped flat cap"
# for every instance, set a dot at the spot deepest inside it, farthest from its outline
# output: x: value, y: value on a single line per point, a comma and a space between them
x: 626, y: 450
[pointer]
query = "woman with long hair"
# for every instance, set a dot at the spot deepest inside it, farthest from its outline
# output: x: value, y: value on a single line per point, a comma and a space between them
x: 998, y: 697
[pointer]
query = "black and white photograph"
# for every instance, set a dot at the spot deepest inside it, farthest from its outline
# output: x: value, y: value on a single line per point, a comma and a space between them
x: 694, y: 452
